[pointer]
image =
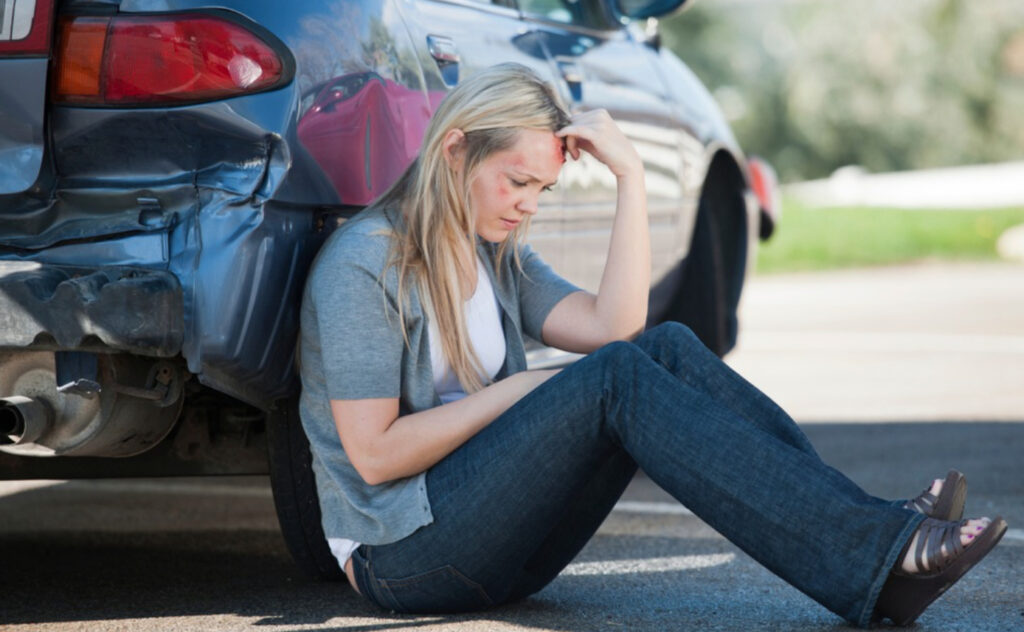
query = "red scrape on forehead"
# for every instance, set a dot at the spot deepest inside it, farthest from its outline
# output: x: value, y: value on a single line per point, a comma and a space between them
x: 559, y: 147
x: 521, y: 159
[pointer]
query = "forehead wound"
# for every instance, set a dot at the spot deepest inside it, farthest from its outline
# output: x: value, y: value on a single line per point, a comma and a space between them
x: 558, y: 145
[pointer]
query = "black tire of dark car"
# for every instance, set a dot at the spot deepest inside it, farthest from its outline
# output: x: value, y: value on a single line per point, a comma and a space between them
x: 295, y: 496
x: 708, y: 294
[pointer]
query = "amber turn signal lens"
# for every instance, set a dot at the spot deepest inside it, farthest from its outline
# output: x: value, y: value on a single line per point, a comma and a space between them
x: 81, y: 42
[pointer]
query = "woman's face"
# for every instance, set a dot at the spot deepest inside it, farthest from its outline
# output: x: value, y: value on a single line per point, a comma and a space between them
x: 509, y: 183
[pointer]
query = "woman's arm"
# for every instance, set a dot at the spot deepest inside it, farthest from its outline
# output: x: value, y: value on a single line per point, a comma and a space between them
x: 383, y: 446
x: 582, y: 322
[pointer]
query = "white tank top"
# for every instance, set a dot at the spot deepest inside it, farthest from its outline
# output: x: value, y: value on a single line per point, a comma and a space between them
x: 483, y: 320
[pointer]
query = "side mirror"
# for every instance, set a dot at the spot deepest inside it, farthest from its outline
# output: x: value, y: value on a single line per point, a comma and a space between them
x: 641, y: 9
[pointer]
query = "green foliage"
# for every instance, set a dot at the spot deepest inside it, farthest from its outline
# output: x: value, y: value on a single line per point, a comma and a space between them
x: 816, y: 239
x: 813, y: 85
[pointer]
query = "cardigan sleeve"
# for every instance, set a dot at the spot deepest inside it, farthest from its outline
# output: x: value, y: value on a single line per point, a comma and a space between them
x: 540, y: 289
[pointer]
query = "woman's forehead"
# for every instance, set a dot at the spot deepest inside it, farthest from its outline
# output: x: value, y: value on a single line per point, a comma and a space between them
x: 539, y: 152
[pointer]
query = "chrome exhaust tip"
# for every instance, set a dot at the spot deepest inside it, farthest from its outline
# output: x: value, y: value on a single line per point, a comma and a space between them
x: 22, y: 419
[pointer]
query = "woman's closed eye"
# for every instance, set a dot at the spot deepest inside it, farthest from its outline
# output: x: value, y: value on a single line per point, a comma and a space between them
x: 518, y: 184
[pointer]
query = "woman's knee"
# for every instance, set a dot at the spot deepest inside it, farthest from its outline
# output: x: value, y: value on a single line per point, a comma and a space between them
x: 618, y: 353
x: 620, y: 364
x: 671, y: 330
x: 670, y: 339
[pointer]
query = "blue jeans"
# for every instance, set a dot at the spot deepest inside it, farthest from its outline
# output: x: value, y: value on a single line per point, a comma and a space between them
x: 515, y: 504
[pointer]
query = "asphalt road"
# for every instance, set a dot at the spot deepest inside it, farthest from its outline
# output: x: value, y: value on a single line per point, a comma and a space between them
x: 922, y: 365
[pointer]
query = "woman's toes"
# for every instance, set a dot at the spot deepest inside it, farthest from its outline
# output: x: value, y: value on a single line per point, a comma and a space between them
x: 972, y: 529
x: 969, y: 530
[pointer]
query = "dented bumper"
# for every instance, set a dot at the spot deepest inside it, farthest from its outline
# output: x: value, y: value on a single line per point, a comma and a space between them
x: 61, y: 307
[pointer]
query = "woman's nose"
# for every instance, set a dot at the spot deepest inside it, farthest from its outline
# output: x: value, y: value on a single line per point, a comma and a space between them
x: 528, y: 205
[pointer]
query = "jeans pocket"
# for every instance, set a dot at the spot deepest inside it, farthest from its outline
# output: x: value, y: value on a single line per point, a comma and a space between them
x: 443, y: 589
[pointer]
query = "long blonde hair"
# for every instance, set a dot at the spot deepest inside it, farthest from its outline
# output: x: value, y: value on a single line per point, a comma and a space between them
x: 490, y: 107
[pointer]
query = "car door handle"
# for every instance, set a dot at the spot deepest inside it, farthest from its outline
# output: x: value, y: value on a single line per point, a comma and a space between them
x: 446, y: 54
x: 571, y: 70
x: 443, y: 49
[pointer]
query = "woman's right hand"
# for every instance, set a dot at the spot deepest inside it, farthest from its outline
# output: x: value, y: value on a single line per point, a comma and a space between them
x: 597, y: 134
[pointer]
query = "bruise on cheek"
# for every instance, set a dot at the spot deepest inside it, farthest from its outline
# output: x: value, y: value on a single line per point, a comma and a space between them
x: 501, y: 186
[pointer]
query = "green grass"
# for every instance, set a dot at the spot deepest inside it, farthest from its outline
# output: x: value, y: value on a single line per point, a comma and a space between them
x: 819, y: 239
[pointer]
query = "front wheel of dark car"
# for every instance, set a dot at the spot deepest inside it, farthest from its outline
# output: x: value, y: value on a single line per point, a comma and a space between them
x: 295, y: 496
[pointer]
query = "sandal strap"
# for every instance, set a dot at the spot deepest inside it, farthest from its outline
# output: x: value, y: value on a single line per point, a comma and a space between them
x: 932, y: 536
x: 923, y: 503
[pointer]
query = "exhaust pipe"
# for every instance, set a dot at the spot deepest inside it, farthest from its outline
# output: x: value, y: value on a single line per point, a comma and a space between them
x: 22, y: 419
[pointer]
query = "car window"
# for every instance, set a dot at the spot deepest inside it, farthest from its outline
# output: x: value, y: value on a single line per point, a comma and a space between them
x: 587, y: 13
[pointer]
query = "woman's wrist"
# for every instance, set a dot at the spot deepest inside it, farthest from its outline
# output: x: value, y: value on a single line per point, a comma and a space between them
x: 631, y: 172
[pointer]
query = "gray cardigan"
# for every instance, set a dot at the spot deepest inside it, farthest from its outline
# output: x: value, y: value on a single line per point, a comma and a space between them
x: 352, y: 348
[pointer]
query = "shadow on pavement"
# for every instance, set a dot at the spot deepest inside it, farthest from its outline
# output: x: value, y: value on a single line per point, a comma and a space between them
x: 114, y: 568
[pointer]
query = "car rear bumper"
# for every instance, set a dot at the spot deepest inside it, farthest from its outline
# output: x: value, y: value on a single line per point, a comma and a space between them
x: 114, y: 308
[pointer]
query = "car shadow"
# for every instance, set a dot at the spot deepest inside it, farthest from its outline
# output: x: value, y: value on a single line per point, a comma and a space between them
x: 106, y: 555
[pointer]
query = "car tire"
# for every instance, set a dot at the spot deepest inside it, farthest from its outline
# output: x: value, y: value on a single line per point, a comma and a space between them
x: 295, y: 496
x: 702, y: 301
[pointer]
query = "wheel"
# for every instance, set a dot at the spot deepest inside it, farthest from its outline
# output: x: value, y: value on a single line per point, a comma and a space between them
x: 712, y: 276
x: 295, y: 497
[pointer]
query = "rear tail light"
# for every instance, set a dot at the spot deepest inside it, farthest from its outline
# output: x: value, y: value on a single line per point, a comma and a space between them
x: 765, y: 185
x: 162, y: 60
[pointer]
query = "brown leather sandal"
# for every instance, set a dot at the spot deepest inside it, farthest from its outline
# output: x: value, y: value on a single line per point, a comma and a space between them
x: 906, y: 595
x: 948, y: 505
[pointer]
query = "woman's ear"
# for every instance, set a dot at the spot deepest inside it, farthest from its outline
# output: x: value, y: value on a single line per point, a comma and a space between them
x: 454, y: 149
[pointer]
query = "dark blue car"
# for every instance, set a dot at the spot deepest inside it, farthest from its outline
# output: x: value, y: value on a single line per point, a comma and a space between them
x: 169, y: 169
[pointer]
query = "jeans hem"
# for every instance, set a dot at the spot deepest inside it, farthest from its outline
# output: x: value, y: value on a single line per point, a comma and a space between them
x: 890, y: 560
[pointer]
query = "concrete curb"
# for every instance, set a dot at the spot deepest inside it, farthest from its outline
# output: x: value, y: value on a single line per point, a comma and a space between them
x: 1011, y: 244
x: 967, y: 187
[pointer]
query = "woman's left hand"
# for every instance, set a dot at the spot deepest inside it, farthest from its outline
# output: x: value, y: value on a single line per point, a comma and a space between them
x: 597, y: 134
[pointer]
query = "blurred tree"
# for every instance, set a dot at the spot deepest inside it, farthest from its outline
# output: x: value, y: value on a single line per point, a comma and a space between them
x: 814, y: 85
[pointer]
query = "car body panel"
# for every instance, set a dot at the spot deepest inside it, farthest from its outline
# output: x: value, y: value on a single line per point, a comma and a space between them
x: 233, y: 197
x: 25, y: 30
x: 608, y: 70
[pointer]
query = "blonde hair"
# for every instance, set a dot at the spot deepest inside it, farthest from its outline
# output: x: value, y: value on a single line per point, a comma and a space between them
x: 489, y: 107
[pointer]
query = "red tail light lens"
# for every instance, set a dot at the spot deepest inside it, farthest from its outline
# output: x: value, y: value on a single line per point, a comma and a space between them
x: 162, y: 60
x: 765, y: 185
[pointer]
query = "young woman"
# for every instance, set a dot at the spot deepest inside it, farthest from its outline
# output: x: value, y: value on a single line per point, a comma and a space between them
x: 451, y: 478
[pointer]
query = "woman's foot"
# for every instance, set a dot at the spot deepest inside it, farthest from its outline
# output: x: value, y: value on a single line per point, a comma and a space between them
x: 944, y: 500
x: 938, y: 555
x: 912, y: 563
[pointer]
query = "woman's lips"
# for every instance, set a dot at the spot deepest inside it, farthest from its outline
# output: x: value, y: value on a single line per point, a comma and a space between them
x: 509, y: 224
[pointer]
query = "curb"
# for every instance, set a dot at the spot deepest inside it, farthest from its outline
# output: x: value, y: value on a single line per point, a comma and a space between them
x: 1011, y: 244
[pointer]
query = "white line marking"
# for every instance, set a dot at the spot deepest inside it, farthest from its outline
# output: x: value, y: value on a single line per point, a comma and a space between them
x: 649, y: 565
x: 10, y: 488
x: 878, y: 342
x: 631, y: 506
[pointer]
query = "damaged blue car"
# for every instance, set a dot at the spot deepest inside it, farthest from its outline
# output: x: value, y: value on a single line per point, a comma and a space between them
x: 168, y: 170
